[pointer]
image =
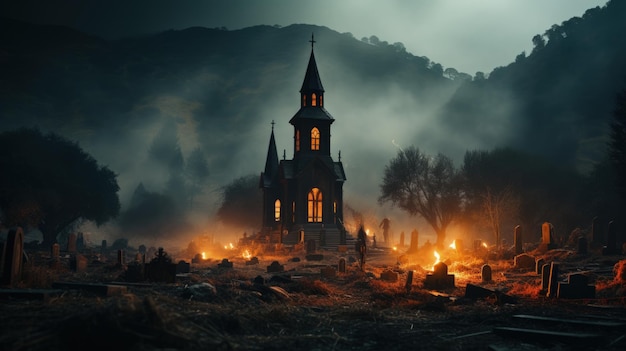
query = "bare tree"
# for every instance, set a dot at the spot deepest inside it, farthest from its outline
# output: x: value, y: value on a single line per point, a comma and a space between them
x: 425, y: 186
x: 498, y: 206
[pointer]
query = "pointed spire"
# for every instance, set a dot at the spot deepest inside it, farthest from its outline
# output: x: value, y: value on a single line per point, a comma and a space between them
x: 312, y: 82
x: 271, y: 162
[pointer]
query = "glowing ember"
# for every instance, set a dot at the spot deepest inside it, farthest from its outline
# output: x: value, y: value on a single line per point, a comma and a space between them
x: 246, y: 254
x: 230, y: 246
x: 437, y: 257
x: 204, y: 255
x: 485, y: 245
x: 453, y: 245
x: 395, y: 248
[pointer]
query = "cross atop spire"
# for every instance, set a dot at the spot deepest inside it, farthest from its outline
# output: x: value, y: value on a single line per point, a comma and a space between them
x: 273, y: 125
x: 312, y: 41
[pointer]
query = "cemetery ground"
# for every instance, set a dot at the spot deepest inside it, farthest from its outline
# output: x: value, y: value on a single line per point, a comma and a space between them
x: 287, y: 299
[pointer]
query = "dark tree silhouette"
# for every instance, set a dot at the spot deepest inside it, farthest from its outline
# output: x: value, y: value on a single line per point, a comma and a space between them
x: 617, y: 145
x: 425, y: 186
x: 242, y: 203
x: 49, y: 182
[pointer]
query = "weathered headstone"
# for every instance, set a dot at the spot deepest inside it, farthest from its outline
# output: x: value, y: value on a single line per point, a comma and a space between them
x: 582, y: 246
x: 577, y: 287
x: 545, y: 278
x: 414, y: 241
x: 554, y: 279
x: 254, y: 260
x: 78, y: 263
x: 183, y: 267
x: 342, y: 265
x: 328, y: 272
x: 55, y: 251
x: 485, y: 273
x: 12, y: 257
x: 524, y: 262
x: 547, y: 237
x: 611, y: 240
x: 389, y: 276
x: 275, y: 267
x: 596, y: 232
x: 539, y: 264
x: 311, y: 246
x: 439, y: 279
x: 197, y: 258
x: 103, y: 247
x: 161, y: 268
x: 71, y: 243
x: 225, y: 264
x: 121, y: 257
x: 518, y: 239
x: 409, y: 281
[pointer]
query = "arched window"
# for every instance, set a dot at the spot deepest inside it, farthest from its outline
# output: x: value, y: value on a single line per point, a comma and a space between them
x: 315, y: 139
x: 297, y: 140
x: 315, y: 206
x: 313, y: 99
x: 335, y: 211
x: 277, y: 210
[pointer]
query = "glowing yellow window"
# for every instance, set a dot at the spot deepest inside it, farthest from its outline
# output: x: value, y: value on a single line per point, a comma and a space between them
x: 297, y: 140
x: 277, y: 210
x: 315, y: 139
x: 315, y: 206
x: 313, y: 99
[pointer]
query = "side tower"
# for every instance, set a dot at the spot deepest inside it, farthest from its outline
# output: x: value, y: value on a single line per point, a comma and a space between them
x: 308, y: 192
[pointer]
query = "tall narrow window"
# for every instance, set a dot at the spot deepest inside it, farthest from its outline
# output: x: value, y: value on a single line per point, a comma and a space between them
x: 313, y: 99
x: 303, y: 100
x: 277, y: 210
x: 315, y: 206
x: 293, y: 212
x: 334, y: 211
x: 321, y: 100
x: 297, y: 140
x: 315, y: 139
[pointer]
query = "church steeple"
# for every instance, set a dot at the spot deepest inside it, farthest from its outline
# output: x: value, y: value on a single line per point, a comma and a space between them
x: 312, y: 91
x: 271, y: 162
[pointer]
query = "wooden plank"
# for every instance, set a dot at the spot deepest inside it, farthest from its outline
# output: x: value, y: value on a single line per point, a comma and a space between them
x: 98, y: 289
x: 603, y: 324
x: 546, y: 336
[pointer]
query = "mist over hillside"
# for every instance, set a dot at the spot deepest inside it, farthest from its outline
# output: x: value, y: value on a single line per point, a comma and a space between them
x: 142, y: 106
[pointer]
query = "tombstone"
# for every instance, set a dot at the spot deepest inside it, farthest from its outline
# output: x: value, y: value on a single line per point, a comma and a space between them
x: 142, y: 249
x: 596, y: 232
x: 409, y: 282
x: 254, y: 260
x: 311, y: 246
x: 547, y: 237
x: 183, y: 267
x: 582, y: 246
x: 554, y: 280
x: 12, y: 255
x: 197, y: 258
x: 80, y: 241
x: 545, y: 278
x: 341, y: 266
x: 275, y: 267
x: 328, y: 272
x: 539, y: 264
x: 611, y: 240
x: 439, y: 279
x: 55, y: 251
x: 225, y: 264
x: 71, y: 243
x: 401, y: 239
x: 524, y: 262
x: 78, y: 263
x: 121, y: 257
x: 103, y: 247
x: 485, y: 273
x: 577, y: 287
x: 414, y: 241
x: 323, y: 236
x: 135, y: 272
x: 517, y: 239
x: 161, y: 268
x: 389, y: 276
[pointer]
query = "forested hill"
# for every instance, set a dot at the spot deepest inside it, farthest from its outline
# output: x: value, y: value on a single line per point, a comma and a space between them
x: 555, y: 101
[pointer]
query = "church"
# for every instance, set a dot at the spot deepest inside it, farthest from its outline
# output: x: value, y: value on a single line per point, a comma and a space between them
x: 303, y: 197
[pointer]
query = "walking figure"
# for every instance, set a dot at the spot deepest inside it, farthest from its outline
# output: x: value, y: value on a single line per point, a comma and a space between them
x: 385, y: 224
x: 361, y: 246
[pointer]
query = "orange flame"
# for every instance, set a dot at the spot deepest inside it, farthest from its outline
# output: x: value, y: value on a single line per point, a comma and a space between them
x: 204, y: 255
x: 453, y: 245
x: 437, y: 257
x: 230, y: 246
x: 485, y: 245
x: 246, y: 254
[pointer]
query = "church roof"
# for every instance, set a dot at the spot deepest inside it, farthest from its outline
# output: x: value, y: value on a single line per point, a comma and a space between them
x: 291, y: 169
x: 271, y: 163
x: 312, y: 112
x: 312, y: 81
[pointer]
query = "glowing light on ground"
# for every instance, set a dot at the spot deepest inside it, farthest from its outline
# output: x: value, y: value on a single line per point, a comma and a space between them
x: 204, y: 255
x: 453, y: 245
x: 395, y: 248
